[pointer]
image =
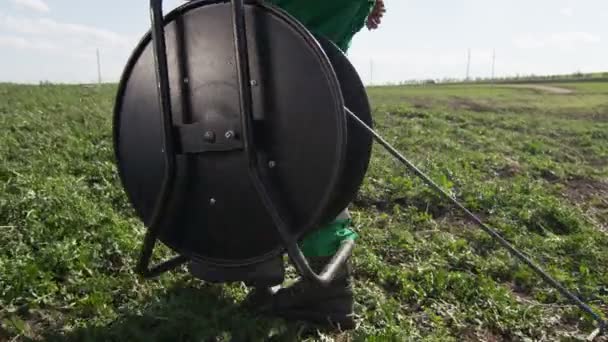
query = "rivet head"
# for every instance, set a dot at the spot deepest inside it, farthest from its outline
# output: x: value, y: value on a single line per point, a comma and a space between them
x: 209, y: 136
x: 254, y: 83
x: 229, y: 135
x: 212, y: 201
x: 272, y: 164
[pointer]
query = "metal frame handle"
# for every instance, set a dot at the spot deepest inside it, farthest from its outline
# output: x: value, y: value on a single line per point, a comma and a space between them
x: 168, y: 150
x: 602, y: 324
x: 258, y: 175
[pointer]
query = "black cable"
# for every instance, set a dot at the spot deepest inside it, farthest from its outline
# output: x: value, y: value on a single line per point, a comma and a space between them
x: 602, y: 324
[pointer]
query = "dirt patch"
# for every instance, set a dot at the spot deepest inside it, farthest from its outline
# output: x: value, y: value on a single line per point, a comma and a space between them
x: 592, y: 197
x: 471, y: 334
x: 457, y: 103
x: 597, y: 161
x: 598, y: 114
x: 511, y: 168
x: 543, y: 88
x: 581, y: 189
x: 549, y: 175
x: 420, y: 102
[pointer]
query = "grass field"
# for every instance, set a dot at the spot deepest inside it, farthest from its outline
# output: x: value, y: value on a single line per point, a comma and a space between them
x: 533, y: 163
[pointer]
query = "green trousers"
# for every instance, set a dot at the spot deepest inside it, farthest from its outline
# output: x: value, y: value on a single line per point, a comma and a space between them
x: 338, y: 21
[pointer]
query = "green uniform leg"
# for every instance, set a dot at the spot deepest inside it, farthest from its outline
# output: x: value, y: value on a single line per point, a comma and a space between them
x: 325, y: 241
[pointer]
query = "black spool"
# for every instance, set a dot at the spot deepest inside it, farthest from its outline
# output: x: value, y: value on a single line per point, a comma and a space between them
x: 313, y: 154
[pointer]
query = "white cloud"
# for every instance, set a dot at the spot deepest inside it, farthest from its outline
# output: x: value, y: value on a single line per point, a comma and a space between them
x: 562, y: 40
x: 573, y: 38
x: 566, y: 11
x: 13, y: 42
x: 17, y: 42
x: 66, y: 32
x: 70, y: 46
x: 36, y: 5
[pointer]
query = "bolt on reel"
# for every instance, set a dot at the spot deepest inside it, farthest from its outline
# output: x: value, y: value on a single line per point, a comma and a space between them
x: 232, y: 140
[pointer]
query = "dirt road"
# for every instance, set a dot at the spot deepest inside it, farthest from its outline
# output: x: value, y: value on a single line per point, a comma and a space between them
x: 543, y: 87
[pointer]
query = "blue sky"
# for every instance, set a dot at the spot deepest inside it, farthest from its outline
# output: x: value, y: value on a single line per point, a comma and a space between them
x: 56, y: 39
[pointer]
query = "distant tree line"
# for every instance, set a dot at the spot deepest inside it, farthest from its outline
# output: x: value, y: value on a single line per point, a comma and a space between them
x: 576, y: 76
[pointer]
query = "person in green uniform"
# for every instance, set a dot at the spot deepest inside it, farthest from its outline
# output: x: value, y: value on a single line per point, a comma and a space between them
x: 338, y: 21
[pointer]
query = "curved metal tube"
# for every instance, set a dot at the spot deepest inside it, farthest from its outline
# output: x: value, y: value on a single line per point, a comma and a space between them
x: 262, y: 184
x: 167, y: 149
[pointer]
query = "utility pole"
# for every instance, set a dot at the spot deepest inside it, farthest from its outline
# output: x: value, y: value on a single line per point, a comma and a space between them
x: 98, y: 68
x: 468, y: 63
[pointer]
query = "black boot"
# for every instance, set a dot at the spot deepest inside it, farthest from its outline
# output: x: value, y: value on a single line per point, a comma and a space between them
x: 330, y: 306
x: 260, y: 299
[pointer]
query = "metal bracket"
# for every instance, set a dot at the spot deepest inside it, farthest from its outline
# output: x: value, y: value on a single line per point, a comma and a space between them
x: 143, y: 266
x: 201, y: 137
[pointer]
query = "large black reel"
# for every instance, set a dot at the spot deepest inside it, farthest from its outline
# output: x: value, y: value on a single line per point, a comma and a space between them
x: 315, y: 156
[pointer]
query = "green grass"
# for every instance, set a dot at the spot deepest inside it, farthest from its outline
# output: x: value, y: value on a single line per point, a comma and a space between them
x: 533, y: 164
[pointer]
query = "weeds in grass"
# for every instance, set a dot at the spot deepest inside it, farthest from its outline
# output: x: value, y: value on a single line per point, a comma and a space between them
x: 524, y: 160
